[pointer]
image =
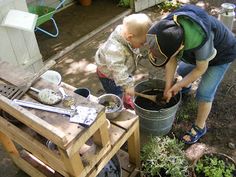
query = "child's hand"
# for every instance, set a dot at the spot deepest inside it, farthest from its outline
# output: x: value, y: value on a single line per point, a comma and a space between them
x: 130, y: 91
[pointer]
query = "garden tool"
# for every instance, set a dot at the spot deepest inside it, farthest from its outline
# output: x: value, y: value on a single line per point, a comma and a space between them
x: 47, y: 96
x: 82, y: 115
x: 67, y: 100
x: 154, y: 98
x: 149, y: 97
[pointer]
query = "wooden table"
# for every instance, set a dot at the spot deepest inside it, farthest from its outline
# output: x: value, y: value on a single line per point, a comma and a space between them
x: 79, y: 151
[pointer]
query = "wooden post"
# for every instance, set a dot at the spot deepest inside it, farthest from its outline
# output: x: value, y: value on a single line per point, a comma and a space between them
x: 134, y: 146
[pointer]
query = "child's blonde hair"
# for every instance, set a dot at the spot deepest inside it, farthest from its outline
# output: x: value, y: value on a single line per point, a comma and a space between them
x: 137, y: 24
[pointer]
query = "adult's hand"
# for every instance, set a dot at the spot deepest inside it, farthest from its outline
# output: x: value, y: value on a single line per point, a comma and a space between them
x: 172, y: 92
x: 169, y: 75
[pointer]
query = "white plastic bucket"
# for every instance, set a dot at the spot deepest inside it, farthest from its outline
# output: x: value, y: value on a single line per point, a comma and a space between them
x: 52, y: 76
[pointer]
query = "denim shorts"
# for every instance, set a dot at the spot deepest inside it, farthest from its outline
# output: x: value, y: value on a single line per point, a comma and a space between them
x: 210, y: 80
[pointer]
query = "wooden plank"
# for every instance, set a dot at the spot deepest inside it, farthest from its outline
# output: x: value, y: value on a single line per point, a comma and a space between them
x: 8, y: 144
x: 90, y: 161
x: 32, y: 145
x: 91, y: 158
x: 30, y: 170
x: 134, y: 146
x: 10, y: 73
x: 101, y: 136
x: 40, y: 166
x: 34, y: 122
x: 111, y: 153
x: 91, y: 155
x: 126, y: 165
x: 115, y: 134
x: 85, y: 135
x: 15, y: 156
x: 73, y: 164
x: 13, y: 152
x: 125, y: 120
x: 94, y: 159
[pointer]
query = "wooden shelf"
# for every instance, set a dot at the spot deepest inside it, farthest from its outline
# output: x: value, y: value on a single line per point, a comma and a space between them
x: 73, y: 154
x: 38, y: 160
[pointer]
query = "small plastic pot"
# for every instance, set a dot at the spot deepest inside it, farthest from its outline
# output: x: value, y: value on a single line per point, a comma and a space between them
x: 84, y: 92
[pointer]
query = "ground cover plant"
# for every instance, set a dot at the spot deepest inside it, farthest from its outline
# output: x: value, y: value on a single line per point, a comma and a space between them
x: 164, y: 156
x: 210, y: 165
x: 124, y: 3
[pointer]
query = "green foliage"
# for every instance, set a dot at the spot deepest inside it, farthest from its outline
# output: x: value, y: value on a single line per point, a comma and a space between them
x: 168, y: 6
x: 187, y: 109
x: 214, y: 167
x: 164, y: 153
x: 124, y: 3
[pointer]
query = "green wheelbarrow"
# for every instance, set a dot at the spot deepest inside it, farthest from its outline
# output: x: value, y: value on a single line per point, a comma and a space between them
x: 45, y: 13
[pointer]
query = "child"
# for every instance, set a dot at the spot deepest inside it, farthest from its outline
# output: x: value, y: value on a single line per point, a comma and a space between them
x: 116, y: 59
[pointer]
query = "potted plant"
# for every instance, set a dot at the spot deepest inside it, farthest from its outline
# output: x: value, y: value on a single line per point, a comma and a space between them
x: 164, y: 157
x: 214, y: 165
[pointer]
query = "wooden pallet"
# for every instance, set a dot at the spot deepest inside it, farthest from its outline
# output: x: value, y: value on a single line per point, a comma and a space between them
x: 70, y: 160
x: 74, y: 154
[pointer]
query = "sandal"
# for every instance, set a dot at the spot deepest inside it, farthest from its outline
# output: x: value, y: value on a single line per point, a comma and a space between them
x: 194, y: 137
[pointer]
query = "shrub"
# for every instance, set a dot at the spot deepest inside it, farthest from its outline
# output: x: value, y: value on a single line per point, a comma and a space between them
x: 164, y: 154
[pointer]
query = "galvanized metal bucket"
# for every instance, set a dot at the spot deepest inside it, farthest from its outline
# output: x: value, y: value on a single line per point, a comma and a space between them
x: 155, y: 122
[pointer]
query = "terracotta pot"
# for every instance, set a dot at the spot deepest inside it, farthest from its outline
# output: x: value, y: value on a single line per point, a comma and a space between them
x: 85, y: 2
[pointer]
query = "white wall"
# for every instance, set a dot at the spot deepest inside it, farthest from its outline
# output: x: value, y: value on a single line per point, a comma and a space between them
x: 17, y: 46
x: 144, y: 4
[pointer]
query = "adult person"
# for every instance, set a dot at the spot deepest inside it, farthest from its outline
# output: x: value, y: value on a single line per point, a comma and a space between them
x: 203, y: 47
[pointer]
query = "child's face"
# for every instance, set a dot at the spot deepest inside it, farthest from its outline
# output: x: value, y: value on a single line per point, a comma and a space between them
x: 137, y: 42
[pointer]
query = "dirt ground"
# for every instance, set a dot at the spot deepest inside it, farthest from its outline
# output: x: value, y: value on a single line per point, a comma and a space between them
x: 74, y: 22
x: 78, y: 69
x: 221, y: 122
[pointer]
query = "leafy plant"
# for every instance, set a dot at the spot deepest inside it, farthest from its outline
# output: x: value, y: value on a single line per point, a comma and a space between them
x: 187, y: 109
x: 124, y: 3
x: 164, y: 154
x: 212, y: 166
x: 168, y: 6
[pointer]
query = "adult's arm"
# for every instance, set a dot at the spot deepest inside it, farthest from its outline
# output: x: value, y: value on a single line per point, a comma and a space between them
x: 197, y: 72
x: 169, y: 76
